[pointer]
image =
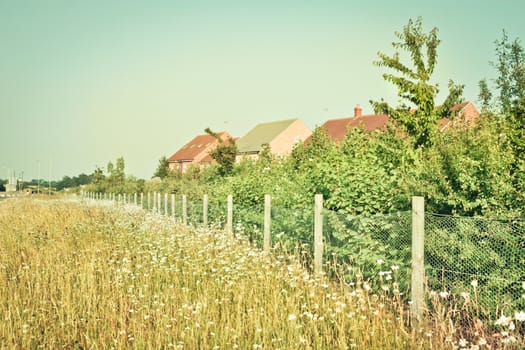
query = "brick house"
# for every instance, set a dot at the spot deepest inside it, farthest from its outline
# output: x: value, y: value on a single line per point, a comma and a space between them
x: 464, y: 114
x: 281, y: 136
x: 336, y: 128
x: 196, y: 152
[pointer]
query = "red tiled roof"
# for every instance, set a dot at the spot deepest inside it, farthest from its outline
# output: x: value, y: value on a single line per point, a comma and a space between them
x: 336, y: 128
x: 459, y: 106
x: 192, y: 149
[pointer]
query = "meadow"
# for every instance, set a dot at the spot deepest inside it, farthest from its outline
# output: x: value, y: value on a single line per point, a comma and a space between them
x: 83, y: 275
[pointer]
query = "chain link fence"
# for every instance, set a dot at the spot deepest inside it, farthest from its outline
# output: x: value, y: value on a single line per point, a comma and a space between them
x: 477, y: 258
x: 481, y: 258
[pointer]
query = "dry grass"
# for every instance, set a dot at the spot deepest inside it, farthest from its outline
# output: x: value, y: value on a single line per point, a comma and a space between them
x: 83, y: 276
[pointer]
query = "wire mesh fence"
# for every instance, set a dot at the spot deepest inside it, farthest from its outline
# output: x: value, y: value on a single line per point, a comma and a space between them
x: 476, y: 257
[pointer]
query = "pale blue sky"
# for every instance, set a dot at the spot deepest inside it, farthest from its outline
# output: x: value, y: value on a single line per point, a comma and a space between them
x: 84, y: 82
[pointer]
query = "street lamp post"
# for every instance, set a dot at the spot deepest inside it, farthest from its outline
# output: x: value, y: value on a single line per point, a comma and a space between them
x: 38, y: 180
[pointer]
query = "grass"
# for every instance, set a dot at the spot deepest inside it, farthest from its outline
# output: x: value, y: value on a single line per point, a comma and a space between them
x: 78, y: 275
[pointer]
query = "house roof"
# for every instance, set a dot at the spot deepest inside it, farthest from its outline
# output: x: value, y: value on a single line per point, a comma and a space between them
x: 196, y: 146
x: 336, y: 128
x: 261, y: 134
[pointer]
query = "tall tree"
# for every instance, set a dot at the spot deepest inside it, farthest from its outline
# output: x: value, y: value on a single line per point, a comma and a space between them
x: 511, y: 84
x: 224, y: 154
x: 163, y: 168
x: 485, y: 96
x: 417, y: 112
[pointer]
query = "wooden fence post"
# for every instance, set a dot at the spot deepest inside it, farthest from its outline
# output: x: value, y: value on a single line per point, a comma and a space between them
x: 142, y: 200
x: 135, y: 198
x: 418, y: 254
x: 173, y: 204
x: 149, y: 201
x: 184, y: 210
x: 159, y: 202
x: 166, y: 204
x: 205, y: 210
x: 318, y: 234
x: 229, y: 216
x: 267, y: 222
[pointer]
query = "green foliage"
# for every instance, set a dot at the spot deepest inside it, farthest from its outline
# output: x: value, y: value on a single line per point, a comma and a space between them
x: 511, y: 84
x: 115, y: 181
x: 413, y: 84
x: 511, y: 80
x: 469, y: 172
x: 224, y: 154
x: 163, y: 169
x: 485, y: 96
x: 459, y: 250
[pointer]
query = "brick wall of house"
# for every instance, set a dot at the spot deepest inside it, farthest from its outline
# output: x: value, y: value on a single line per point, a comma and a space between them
x: 283, y: 144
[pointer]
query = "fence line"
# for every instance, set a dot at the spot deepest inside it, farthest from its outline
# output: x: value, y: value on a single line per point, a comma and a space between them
x: 436, y: 252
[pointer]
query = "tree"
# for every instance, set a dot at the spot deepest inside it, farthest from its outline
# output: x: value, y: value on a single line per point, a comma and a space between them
x: 485, y: 96
x: 163, y: 169
x: 120, y: 173
x: 414, y: 86
x: 511, y: 84
x: 97, y: 176
x: 224, y: 154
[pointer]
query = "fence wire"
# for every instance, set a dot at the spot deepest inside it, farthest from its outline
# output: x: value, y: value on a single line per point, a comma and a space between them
x: 483, y: 259
x: 476, y: 257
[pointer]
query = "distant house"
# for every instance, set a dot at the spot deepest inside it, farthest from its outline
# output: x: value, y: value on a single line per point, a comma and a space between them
x: 461, y: 114
x: 336, y: 128
x: 281, y: 136
x: 196, y: 152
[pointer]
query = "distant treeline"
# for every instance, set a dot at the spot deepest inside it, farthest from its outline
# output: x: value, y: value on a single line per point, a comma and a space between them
x: 66, y: 182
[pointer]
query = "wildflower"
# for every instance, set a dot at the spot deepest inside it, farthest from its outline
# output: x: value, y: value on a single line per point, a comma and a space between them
x: 519, y: 316
x: 444, y: 294
x: 292, y: 317
x: 394, y: 267
x: 474, y: 283
x: 482, y: 341
x: 463, y: 343
x: 502, y: 321
x: 508, y: 340
x: 465, y: 295
x: 380, y: 261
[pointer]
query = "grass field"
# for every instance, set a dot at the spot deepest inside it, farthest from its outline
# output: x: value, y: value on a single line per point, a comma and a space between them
x: 77, y: 275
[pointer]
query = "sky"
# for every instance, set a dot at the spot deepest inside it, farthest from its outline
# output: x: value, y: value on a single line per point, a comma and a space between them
x: 85, y: 82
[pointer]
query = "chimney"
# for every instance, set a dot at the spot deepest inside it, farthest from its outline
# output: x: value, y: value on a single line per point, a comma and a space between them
x: 357, y: 110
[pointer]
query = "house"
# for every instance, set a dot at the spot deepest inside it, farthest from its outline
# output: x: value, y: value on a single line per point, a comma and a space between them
x: 196, y: 152
x: 281, y: 136
x: 464, y: 114
x: 336, y: 128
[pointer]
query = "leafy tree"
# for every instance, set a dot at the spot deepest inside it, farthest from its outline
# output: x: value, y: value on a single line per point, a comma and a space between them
x: 511, y: 84
x: 120, y: 174
x: 485, y: 96
x: 163, y: 169
x: 224, y: 154
x: 97, y: 176
x: 413, y: 84
x: 511, y: 80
